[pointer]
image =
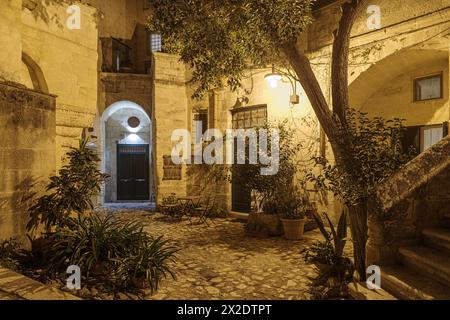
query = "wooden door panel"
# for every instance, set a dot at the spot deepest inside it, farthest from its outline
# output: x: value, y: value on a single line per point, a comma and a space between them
x: 133, y: 172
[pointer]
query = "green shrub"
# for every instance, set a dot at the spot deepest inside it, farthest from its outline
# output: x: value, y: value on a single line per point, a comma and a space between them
x: 71, y: 191
x: 335, y: 269
x: 108, y: 248
x: 9, y: 254
x: 147, y: 265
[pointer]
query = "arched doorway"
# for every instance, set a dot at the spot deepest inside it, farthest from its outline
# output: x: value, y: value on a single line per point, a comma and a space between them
x: 126, y: 153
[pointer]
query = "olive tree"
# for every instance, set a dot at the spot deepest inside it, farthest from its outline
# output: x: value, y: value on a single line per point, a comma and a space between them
x: 221, y: 39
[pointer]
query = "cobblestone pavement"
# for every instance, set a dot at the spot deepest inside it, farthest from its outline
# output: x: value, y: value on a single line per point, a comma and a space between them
x: 8, y: 296
x: 221, y: 262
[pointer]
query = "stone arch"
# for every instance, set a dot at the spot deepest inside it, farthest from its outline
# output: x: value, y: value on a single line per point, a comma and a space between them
x: 36, y: 76
x: 115, y: 130
x: 386, y: 88
x: 388, y: 69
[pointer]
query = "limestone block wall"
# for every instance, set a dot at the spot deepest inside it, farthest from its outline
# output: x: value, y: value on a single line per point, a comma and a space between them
x: 118, y: 18
x: 27, y: 157
x: 10, y: 16
x: 114, y: 87
x: 169, y: 112
x: 68, y: 60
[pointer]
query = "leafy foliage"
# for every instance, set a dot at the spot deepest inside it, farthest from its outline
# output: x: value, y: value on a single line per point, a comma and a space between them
x: 249, y: 175
x: 10, y: 254
x: 288, y: 203
x: 149, y: 264
x: 329, y: 256
x: 101, y: 246
x: 373, y: 152
x: 220, y: 39
x: 71, y: 191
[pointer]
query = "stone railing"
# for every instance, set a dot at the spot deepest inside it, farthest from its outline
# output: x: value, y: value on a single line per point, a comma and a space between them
x: 414, y: 198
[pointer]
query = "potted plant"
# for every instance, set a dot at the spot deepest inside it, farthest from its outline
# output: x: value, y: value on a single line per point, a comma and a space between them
x: 266, y: 221
x: 293, y: 214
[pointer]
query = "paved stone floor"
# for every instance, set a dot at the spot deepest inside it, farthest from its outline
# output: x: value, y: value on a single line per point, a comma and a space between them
x: 221, y: 262
x: 8, y: 296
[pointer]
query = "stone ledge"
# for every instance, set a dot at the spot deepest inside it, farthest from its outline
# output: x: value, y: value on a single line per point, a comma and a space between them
x: 18, y: 95
x: 359, y: 291
x: 15, y: 284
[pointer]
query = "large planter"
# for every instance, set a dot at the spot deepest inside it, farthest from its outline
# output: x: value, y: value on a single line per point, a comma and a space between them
x: 293, y: 229
x: 264, y: 225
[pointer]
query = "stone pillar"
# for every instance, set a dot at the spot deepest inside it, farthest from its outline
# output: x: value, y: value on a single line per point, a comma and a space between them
x: 10, y: 33
x: 169, y: 112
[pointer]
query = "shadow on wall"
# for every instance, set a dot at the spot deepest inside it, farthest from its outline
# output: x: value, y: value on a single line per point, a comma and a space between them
x: 14, y: 208
x: 39, y: 10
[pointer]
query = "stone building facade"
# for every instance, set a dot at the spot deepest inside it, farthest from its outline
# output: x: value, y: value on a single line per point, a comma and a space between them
x: 101, y: 78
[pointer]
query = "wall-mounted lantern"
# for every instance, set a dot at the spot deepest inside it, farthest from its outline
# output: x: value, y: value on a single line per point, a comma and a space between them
x: 275, y: 76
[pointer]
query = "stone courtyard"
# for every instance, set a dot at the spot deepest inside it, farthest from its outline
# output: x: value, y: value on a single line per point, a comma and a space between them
x: 220, y: 261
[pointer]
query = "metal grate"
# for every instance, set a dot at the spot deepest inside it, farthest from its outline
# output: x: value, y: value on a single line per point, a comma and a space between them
x: 128, y: 149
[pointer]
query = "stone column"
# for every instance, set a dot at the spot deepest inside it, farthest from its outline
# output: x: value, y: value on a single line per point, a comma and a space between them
x: 169, y: 112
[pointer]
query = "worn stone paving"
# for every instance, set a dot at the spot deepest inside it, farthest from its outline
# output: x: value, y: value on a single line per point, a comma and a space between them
x: 8, y: 296
x: 221, y: 262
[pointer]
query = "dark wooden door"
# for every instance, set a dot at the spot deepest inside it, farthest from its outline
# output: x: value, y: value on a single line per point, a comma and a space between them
x: 245, y: 118
x: 133, y: 182
x: 241, y: 197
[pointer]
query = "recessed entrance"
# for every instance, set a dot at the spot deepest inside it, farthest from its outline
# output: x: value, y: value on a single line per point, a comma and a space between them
x: 133, y: 172
x: 127, y: 153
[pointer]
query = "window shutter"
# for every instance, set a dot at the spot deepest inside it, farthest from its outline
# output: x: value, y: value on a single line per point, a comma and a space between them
x: 445, y: 126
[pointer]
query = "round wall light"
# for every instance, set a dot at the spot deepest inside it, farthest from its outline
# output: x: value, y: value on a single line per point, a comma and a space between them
x: 134, y: 122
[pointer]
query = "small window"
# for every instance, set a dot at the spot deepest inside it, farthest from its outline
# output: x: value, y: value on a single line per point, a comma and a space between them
x: 200, y: 124
x: 430, y: 135
x: 428, y: 88
x: 154, y: 42
x: 421, y: 138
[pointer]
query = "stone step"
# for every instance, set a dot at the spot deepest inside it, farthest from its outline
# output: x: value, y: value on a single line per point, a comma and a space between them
x: 427, y: 261
x: 437, y: 238
x: 406, y: 284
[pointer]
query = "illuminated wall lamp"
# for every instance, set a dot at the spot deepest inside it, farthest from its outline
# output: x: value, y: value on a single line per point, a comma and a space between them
x: 273, y: 78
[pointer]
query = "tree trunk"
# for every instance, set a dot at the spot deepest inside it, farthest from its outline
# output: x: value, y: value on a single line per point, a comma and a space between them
x: 358, y: 225
x: 339, y: 66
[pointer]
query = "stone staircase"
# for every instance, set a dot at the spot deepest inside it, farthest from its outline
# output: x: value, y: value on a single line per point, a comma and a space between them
x: 424, y: 270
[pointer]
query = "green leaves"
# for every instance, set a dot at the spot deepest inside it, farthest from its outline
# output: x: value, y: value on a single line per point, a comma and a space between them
x: 122, y: 252
x: 372, y: 151
x: 71, y: 191
x: 329, y: 254
x: 219, y: 39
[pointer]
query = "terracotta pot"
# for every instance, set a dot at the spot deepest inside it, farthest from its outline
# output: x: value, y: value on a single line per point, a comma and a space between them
x: 293, y: 229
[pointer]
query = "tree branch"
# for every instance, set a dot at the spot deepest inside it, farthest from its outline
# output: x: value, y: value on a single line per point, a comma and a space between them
x: 339, y: 67
x: 302, y: 67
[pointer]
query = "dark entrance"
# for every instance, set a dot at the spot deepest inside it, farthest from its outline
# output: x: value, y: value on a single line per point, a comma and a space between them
x: 241, y: 197
x: 133, y: 172
x: 245, y: 118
